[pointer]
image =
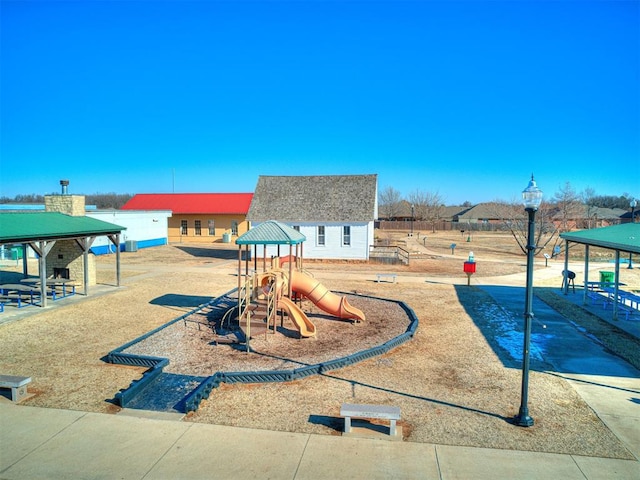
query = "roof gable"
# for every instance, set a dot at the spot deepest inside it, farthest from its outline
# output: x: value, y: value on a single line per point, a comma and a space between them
x: 329, y: 198
x: 28, y: 227
x: 482, y: 211
x: 192, y: 203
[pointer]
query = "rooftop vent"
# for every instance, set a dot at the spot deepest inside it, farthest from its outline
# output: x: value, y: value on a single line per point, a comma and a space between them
x: 64, y: 184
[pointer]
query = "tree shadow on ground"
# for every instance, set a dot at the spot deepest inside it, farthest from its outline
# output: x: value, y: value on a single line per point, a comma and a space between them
x: 319, y: 419
x: 419, y: 397
x: 214, y: 253
x: 177, y: 300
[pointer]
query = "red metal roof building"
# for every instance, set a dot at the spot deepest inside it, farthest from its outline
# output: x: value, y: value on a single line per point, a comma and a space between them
x: 198, y: 217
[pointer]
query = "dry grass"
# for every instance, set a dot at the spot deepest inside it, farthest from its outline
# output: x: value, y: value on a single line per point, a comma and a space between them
x: 451, y: 386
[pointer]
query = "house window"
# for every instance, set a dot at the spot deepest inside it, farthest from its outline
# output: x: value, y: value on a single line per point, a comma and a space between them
x: 183, y: 228
x: 198, y: 227
x: 234, y: 228
x: 321, y: 235
x: 212, y: 228
x: 346, y: 235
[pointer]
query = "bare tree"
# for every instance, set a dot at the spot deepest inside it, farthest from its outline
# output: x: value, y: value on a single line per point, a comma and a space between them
x: 568, y: 205
x: 514, y: 218
x: 588, y: 196
x: 389, y: 203
x: 427, y: 206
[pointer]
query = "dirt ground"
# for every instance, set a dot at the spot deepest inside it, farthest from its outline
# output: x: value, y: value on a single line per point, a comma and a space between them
x: 451, y: 386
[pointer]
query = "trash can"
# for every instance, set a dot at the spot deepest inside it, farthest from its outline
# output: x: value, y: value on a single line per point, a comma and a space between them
x: 606, y: 277
x: 226, y: 238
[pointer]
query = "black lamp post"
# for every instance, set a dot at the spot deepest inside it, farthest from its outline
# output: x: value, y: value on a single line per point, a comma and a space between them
x: 531, y: 196
x: 412, y: 221
x: 632, y: 204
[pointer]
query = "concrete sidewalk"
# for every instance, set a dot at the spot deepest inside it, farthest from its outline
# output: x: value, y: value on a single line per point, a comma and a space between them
x: 41, y: 443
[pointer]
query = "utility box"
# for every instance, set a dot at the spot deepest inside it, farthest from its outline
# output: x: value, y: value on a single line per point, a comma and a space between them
x: 131, y: 246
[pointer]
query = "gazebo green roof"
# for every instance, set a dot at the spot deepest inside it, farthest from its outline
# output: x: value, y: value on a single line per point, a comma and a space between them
x: 34, y: 226
x: 624, y: 237
x: 271, y: 233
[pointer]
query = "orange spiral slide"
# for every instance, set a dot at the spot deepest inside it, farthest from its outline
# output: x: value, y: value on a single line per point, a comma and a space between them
x: 323, y: 298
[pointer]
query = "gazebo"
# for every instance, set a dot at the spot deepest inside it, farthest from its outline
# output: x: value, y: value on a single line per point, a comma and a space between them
x: 42, y: 230
x: 624, y: 238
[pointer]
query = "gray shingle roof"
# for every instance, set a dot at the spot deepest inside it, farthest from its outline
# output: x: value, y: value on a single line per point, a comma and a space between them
x: 329, y: 198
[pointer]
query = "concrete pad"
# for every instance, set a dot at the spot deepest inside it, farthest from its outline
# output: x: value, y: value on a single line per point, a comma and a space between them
x: 627, y: 429
x: 214, y: 451
x: 616, y: 401
x: 24, y: 429
x: 332, y: 457
x: 481, y: 463
x: 608, y: 468
x: 99, y: 446
x: 132, y: 412
x: 610, y: 395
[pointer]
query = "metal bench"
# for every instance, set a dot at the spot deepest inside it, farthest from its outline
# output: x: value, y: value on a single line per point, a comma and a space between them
x: 391, y: 276
x: 18, y: 386
x: 350, y: 410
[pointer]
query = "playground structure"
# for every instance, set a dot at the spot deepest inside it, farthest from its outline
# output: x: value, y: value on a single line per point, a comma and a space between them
x: 260, y: 296
x: 282, y: 282
x: 264, y: 297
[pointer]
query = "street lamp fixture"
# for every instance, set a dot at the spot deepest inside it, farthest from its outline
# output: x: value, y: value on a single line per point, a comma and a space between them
x: 531, y: 197
x: 632, y: 204
x: 412, y: 221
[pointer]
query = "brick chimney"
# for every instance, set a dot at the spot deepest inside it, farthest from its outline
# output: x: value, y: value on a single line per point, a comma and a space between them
x: 73, y: 205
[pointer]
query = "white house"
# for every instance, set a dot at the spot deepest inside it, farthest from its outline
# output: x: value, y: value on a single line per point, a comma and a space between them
x: 335, y: 212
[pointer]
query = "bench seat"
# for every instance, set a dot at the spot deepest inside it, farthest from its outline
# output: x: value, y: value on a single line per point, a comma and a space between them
x: 385, y: 412
x: 392, y: 276
x: 18, y: 386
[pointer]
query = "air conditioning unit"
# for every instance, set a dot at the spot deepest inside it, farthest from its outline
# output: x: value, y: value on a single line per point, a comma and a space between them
x: 131, y: 246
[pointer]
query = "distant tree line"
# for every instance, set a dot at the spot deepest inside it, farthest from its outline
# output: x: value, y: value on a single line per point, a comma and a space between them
x: 427, y: 205
x: 557, y: 214
x: 100, y: 200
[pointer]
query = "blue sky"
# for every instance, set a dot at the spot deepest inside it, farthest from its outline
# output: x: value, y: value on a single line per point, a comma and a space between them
x: 462, y: 98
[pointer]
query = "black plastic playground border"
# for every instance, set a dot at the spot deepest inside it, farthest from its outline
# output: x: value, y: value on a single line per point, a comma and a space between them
x: 201, y: 392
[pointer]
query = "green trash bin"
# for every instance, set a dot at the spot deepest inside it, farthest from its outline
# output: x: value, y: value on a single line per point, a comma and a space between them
x: 606, y: 277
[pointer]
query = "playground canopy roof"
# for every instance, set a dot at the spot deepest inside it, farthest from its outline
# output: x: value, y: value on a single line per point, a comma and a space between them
x: 33, y: 227
x: 624, y: 237
x: 271, y: 233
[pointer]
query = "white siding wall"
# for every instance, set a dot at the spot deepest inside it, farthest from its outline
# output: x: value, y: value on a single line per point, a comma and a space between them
x: 361, y: 238
x: 142, y: 226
